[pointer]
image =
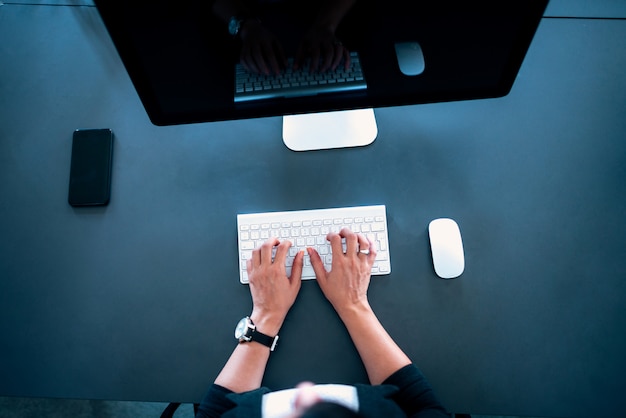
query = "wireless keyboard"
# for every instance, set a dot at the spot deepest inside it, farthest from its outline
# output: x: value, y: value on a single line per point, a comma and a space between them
x: 308, y: 228
x: 291, y: 83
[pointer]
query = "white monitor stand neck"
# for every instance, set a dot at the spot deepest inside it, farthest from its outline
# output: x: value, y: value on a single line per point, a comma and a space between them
x: 327, y: 130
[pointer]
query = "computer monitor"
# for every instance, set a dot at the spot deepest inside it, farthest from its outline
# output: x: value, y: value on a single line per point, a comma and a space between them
x: 181, y: 57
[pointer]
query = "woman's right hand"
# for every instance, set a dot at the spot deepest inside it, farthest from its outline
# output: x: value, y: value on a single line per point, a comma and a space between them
x: 346, y: 284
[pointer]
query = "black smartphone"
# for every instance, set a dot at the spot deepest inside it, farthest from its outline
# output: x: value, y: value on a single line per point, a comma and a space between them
x: 90, y: 171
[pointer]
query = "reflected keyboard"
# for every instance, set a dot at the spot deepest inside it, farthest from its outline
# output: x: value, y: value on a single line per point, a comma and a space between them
x: 292, y: 83
x: 308, y: 228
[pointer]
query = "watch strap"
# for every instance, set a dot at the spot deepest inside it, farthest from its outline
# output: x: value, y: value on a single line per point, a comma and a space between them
x: 266, y: 340
x: 253, y: 334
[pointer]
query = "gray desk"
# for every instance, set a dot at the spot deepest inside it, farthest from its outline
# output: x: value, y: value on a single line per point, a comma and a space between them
x: 138, y: 300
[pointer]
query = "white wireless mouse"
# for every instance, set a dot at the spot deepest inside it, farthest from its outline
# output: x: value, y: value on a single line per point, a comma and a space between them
x: 447, y: 248
x: 410, y: 58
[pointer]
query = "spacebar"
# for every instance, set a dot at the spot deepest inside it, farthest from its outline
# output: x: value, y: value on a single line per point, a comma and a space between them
x: 307, y: 272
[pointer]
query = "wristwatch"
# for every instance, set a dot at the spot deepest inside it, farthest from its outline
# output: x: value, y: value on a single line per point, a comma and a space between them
x: 246, y: 331
x: 235, y: 23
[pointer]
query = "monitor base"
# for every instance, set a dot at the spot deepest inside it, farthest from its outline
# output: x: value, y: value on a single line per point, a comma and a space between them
x: 328, y: 130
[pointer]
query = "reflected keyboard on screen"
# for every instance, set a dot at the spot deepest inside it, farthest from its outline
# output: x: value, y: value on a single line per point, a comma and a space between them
x: 293, y: 83
x: 308, y: 228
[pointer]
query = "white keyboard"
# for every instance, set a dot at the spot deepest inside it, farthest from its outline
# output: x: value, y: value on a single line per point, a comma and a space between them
x: 308, y: 228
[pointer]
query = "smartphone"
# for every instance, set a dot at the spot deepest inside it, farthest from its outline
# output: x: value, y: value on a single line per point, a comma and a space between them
x: 90, y: 171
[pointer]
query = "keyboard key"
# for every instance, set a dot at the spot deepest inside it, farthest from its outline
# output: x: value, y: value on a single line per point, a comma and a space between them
x: 246, y: 245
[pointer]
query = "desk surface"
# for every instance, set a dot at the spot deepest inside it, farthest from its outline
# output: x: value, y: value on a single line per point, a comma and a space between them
x: 138, y: 300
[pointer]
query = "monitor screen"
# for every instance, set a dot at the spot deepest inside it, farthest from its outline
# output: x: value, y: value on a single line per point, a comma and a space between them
x: 182, y: 56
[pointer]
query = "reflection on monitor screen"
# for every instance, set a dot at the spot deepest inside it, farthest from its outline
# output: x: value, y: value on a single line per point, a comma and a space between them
x: 194, y: 61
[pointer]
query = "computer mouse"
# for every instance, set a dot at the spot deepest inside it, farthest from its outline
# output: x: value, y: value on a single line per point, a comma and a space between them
x: 447, y: 248
x: 410, y: 58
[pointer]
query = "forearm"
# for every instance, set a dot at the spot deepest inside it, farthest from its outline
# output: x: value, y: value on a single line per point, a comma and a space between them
x: 273, y: 294
x: 380, y: 354
x: 245, y: 368
x: 345, y: 287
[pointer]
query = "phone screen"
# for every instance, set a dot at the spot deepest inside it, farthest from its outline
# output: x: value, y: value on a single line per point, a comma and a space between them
x: 90, y: 171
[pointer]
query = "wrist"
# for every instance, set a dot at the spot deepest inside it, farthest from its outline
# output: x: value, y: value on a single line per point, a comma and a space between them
x: 353, y: 311
x: 249, y: 25
x: 267, y: 324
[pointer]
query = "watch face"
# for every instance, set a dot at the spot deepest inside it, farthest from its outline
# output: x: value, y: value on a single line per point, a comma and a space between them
x: 240, y: 329
x: 233, y: 26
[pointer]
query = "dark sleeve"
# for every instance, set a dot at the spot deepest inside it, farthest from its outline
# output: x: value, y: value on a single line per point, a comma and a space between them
x: 415, y: 396
x: 215, y: 403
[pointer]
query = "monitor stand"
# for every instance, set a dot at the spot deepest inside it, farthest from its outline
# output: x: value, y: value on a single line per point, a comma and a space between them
x: 327, y: 130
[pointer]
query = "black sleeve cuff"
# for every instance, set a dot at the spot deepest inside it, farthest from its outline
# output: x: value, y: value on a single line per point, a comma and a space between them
x: 215, y: 402
x: 415, y: 395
